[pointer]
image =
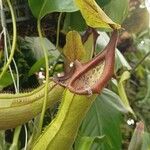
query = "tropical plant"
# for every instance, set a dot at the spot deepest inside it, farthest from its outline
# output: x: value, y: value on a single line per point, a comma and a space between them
x: 85, y: 80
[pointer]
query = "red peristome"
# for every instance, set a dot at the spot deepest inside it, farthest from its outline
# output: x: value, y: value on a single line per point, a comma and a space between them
x: 107, y: 55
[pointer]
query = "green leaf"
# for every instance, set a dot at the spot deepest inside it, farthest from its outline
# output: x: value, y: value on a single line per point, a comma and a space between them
x: 74, y: 49
x: 146, y: 141
x: 72, y: 23
x: 137, y: 138
x: 102, y: 41
x: 89, y: 46
x: 39, y: 64
x: 118, y: 14
x: 103, y: 119
x: 2, y: 139
x: 117, y: 10
x: 40, y: 8
x: 121, y: 61
x: 121, y: 90
x: 4, y: 145
x: 94, y: 16
x: 147, y: 97
x: 6, y: 80
x: 34, y: 43
x: 103, y: 2
x: 85, y: 142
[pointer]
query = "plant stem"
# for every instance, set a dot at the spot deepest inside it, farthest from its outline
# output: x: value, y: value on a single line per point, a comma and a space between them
x: 47, y: 71
x: 15, y: 65
x: 140, y: 62
x: 47, y: 78
x: 26, y: 137
x: 4, y: 32
x: 14, y: 145
x: 13, y: 41
x: 57, y: 41
x: 58, y: 30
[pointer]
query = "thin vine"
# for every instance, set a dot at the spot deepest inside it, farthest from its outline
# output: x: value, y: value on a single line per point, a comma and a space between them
x: 47, y: 77
x: 13, y: 41
x: 140, y: 62
x: 58, y: 29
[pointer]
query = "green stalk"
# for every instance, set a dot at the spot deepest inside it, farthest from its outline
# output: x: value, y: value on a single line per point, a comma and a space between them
x: 47, y: 78
x: 47, y: 71
x: 13, y: 41
x: 140, y: 62
x: 14, y: 145
x: 57, y: 41
x: 58, y: 29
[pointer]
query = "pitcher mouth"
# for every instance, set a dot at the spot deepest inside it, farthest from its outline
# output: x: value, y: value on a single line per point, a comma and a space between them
x: 91, y: 77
